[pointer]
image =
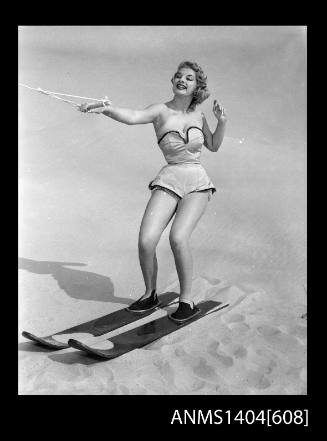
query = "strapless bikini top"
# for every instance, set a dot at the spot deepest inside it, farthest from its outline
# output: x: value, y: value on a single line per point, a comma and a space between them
x: 178, y: 149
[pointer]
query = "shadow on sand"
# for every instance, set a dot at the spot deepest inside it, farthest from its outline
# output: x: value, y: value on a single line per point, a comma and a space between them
x: 76, y: 357
x: 71, y: 357
x: 27, y: 346
x: 82, y: 285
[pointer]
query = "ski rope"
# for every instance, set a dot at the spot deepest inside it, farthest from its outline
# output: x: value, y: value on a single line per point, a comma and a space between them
x: 54, y: 95
x: 103, y: 101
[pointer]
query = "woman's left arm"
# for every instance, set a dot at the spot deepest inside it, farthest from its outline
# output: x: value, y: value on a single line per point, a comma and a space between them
x: 214, y: 140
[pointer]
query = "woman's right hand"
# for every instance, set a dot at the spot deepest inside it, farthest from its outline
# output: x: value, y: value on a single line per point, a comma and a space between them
x: 83, y: 108
x: 95, y: 107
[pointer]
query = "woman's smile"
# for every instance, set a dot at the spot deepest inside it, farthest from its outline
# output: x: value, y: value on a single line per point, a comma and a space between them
x: 184, y: 80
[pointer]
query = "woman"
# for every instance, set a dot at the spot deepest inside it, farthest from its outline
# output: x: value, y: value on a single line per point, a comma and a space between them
x: 182, y: 187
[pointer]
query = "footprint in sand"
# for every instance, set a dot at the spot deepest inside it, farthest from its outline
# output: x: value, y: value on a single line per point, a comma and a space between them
x: 287, y: 348
x: 262, y: 359
x: 213, y: 348
x: 200, y: 367
x: 268, y: 331
x: 281, y: 341
x: 226, y: 340
x: 240, y: 352
x: 233, y: 318
x: 257, y: 380
x: 204, y: 371
x: 182, y: 376
x: 235, y: 349
x: 225, y: 361
x: 236, y: 323
x: 240, y: 328
x: 264, y: 356
x: 267, y: 367
x: 189, y: 383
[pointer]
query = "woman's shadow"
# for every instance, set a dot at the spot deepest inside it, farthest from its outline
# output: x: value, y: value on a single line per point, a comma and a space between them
x: 83, y: 285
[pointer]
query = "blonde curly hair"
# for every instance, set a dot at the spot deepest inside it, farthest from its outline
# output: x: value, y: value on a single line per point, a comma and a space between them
x: 201, y: 92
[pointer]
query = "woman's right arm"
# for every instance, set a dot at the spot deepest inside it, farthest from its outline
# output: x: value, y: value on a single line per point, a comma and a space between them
x: 129, y: 116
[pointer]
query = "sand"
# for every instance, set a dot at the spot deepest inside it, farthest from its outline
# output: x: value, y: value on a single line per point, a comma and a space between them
x: 83, y: 190
x: 250, y: 347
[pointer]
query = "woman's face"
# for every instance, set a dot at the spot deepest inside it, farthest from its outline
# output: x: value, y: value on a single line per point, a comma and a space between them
x: 184, y: 82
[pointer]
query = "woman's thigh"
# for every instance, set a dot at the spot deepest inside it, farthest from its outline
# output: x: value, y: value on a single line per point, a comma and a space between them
x: 189, y: 211
x: 157, y: 215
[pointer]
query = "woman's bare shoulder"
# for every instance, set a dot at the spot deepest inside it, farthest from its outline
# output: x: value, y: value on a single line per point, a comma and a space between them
x: 160, y: 107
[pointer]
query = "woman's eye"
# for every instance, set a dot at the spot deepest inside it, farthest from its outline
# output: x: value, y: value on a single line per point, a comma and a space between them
x: 179, y: 76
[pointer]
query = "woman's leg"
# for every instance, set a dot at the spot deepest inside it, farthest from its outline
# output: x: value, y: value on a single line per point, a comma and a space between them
x: 158, y: 213
x: 189, y: 211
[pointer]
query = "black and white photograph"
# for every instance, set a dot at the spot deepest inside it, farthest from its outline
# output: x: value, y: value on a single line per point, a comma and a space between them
x: 162, y: 210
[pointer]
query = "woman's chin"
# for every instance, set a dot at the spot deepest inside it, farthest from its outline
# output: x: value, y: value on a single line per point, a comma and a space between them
x: 181, y: 93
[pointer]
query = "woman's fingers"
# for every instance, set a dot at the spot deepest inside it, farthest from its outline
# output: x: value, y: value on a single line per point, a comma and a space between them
x: 97, y: 110
x: 216, y: 105
x: 83, y: 107
x: 93, y: 107
x: 218, y: 108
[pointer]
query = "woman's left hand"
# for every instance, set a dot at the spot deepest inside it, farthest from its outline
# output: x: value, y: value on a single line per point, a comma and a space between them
x: 219, y: 111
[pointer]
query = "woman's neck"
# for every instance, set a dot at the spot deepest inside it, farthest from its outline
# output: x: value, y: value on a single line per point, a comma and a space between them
x: 181, y: 104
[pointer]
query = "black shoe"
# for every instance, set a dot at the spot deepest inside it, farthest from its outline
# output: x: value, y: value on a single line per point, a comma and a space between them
x: 184, y: 312
x: 144, y: 305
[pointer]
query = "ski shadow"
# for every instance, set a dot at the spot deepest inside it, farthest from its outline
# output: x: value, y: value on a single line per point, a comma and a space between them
x: 27, y: 346
x: 82, y: 285
x: 71, y: 357
x: 75, y: 357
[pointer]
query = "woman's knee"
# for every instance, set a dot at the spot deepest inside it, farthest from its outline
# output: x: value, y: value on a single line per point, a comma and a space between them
x: 147, y: 242
x: 177, y: 239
